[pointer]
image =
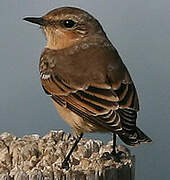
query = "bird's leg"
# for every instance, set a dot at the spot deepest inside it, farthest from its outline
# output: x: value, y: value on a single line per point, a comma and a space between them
x: 114, y: 145
x: 114, y: 153
x: 65, y: 164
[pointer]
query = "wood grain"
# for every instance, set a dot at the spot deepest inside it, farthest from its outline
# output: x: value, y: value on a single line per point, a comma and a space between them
x: 39, y: 158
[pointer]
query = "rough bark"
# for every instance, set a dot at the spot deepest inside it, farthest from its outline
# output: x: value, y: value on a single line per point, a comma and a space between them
x: 39, y: 158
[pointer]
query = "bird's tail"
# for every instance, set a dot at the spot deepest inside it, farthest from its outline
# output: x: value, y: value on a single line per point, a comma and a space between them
x: 137, y: 137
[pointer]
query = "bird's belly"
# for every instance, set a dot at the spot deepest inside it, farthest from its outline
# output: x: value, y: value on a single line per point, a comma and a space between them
x: 78, y: 124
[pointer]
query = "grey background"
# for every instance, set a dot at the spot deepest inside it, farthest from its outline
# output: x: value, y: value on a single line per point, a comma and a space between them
x: 141, y: 32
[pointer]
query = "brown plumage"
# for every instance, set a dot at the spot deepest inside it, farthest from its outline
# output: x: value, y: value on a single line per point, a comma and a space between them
x: 85, y: 76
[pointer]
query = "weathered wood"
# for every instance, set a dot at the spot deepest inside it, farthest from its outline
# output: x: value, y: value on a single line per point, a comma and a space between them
x: 35, y: 158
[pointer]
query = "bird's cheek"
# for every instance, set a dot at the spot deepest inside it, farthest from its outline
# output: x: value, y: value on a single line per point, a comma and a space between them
x: 58, y: 32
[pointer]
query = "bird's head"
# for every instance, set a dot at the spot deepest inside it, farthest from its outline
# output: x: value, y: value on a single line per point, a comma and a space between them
x: 64, y: 27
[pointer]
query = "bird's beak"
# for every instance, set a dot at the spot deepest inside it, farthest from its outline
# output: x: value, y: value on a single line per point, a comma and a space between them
x: 36, y: 20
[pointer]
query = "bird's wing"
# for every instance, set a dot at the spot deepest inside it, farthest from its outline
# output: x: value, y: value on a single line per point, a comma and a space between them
x: 94, y: 104
x: 112, y: 104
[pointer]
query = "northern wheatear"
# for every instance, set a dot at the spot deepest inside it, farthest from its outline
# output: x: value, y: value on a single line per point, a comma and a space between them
x: 88, y: 83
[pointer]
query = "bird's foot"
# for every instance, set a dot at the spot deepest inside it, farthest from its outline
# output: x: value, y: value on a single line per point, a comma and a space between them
x: 106, y: 156
x: 65, y: 164
x: 116, y: 156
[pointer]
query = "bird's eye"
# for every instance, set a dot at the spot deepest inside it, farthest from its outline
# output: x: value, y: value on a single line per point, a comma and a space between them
x: 68, y: 23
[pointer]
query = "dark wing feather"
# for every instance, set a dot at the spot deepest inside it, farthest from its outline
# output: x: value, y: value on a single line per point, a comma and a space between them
x: 99, y: 106
x: 128, y: 102
x: 101, y: 121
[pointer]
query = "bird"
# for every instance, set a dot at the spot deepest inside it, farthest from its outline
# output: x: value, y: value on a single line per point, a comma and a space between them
x: 86, y: 79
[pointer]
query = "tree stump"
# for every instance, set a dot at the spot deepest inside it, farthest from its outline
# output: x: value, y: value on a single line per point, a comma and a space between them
x: 39, y: 158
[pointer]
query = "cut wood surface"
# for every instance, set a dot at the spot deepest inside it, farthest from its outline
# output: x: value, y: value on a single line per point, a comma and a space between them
x: 39, y: 158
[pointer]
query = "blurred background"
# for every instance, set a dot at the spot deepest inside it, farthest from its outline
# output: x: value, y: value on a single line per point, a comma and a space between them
x: 140, y: 30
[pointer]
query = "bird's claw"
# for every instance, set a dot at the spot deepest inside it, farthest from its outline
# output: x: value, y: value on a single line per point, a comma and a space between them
x: 117, y: 156
x: 65, y: 165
